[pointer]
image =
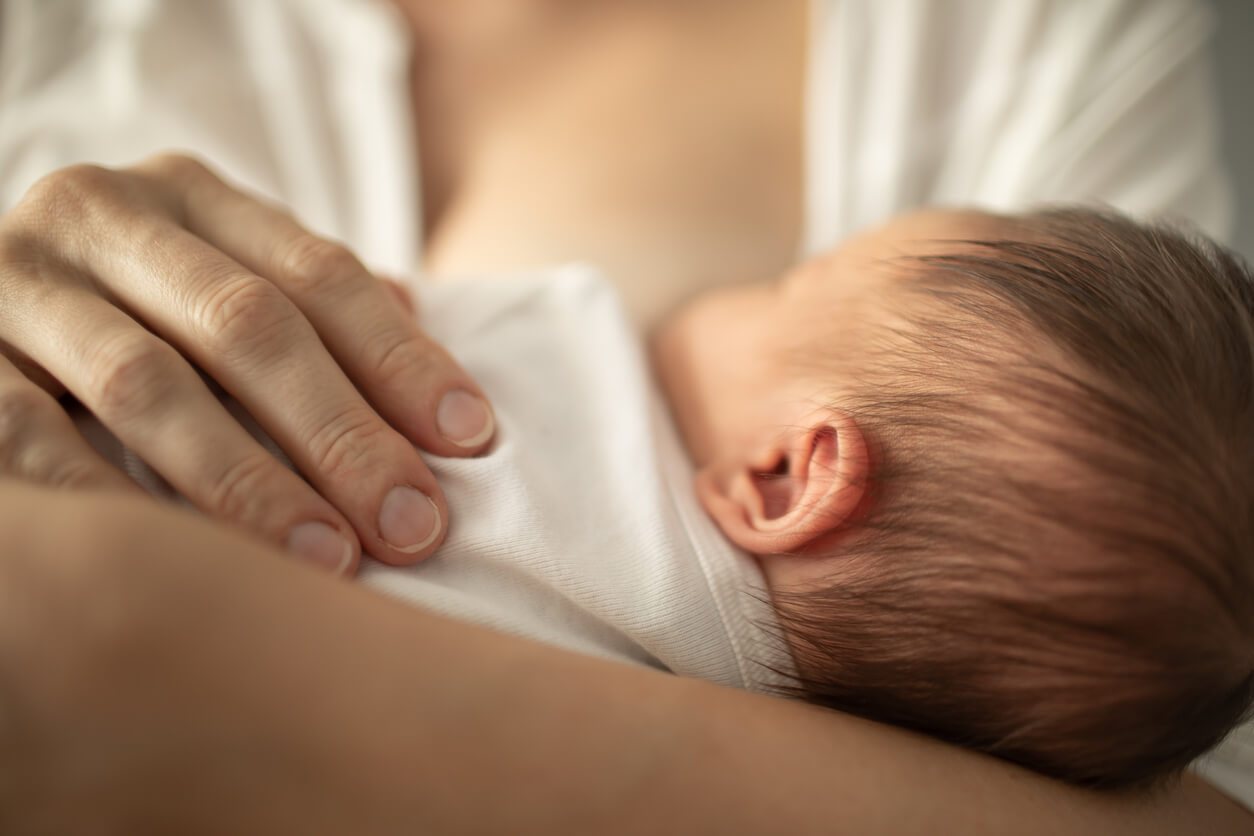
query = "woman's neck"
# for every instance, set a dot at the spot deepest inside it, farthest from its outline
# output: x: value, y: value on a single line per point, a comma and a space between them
x: 660, y: 140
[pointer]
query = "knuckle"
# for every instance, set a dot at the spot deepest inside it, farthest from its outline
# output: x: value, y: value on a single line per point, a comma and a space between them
x: 176, y: 168
x: 343, y: 447
x: 309, y: 264
x: 394, y: 358
x: 239, y: 491
x: 245, y: 316
x: 148, y: 233
x: 138, y: 374
x: 67, y: 193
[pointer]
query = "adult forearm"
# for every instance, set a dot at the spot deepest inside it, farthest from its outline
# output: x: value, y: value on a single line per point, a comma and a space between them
x: 170, y: 676
x: 207, y: 685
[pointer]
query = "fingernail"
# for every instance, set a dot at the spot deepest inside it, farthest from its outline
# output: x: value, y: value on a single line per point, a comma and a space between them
x: 464, y: 419
x: 408, y: 520
x: 321, y: 545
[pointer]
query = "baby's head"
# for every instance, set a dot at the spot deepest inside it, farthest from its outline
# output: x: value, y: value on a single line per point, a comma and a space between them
x: 999, y: 474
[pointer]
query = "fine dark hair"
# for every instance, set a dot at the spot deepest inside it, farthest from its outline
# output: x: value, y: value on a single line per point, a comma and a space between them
x: 1057, y: 562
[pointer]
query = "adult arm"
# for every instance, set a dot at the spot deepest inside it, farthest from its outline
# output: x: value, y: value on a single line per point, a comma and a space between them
x: 162, y: 674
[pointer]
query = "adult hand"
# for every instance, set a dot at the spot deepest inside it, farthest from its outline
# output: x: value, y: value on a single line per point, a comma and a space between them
x: 116, y: 284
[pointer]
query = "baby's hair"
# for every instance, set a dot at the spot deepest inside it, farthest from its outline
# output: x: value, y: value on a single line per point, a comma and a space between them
x: 1057, y: 565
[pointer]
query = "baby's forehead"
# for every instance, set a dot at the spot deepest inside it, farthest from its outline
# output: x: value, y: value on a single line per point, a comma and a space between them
x: 881, y: 256
x: 945, y: 224
x: 875, y: 273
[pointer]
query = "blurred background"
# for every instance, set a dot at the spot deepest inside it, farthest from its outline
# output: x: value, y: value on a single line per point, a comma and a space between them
x: 1234, y: 47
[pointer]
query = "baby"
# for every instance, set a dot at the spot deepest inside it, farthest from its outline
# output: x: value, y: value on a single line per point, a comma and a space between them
x: 1021, y: 518
x: 985, y: 477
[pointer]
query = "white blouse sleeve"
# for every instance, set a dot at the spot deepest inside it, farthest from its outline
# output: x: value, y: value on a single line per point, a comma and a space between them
x: 303, y: 101
x: 1005, y: 105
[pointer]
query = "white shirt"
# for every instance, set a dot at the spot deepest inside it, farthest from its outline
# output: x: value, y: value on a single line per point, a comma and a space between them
x: 580, y: 527
x: 1007, y: 104
x: 911, y: 102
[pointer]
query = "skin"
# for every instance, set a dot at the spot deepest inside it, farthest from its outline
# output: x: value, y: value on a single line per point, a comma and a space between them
x: 292, y: 710
x: 776, y: 468
x: 355, y: 714
x: 116, y: 281
x: 72, y: 555
x: 659, y: 140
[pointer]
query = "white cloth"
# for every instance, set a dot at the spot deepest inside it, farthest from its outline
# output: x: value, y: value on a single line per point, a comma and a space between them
x: 910, y: 102
x: 1230, y: 767
x: 1007, y: 104
x: 304, y: 101
x: 580, y: 527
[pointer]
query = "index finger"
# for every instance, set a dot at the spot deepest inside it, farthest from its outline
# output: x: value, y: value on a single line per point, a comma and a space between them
x: 409, y: 378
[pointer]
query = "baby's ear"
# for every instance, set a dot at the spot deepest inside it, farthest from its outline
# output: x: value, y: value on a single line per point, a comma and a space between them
x: 803, y: 484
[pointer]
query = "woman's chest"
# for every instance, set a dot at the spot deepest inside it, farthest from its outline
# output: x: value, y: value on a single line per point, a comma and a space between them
x: 665, y: 149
